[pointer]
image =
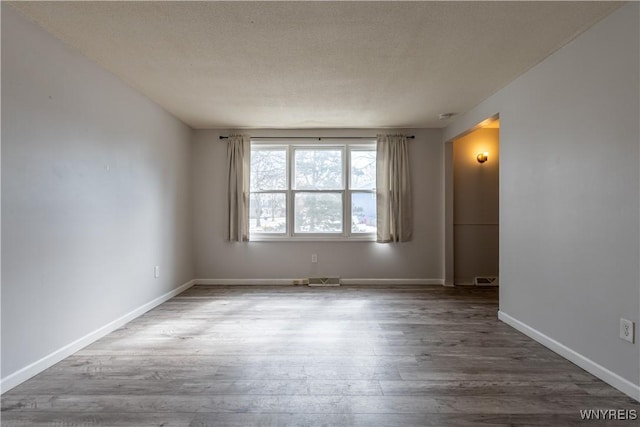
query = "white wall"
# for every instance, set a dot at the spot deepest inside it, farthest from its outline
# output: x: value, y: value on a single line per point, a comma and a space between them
x: 569, y: 196
x: 216, y: 258
x: 95, y: 193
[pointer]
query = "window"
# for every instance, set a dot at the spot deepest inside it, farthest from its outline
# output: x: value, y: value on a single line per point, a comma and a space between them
x: 312, y: 191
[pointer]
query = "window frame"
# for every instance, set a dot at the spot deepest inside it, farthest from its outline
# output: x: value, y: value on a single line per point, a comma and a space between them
x: 290, y: 145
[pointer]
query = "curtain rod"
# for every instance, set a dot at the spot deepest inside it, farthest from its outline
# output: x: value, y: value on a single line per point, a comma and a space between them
x: 316, y: 137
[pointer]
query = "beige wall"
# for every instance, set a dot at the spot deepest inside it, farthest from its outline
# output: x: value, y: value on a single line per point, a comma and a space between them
x: 475, y: 206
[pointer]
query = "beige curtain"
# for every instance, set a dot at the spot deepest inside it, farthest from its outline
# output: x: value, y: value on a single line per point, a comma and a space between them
x: 394, y: 208
x: 238, y: 160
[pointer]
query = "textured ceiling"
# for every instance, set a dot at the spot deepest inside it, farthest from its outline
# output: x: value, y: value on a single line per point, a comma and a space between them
x: 316, y: 64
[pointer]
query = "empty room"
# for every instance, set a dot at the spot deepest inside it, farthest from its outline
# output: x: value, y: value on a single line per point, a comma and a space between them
x: 320, y: 213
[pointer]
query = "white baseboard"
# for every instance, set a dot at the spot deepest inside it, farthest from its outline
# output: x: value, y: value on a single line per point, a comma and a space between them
x: 464, y: 283
x: 303, y: 281
x: 392, y: 281
x: 280, y: 282
x: 20, y: 376
x: 627, y: 387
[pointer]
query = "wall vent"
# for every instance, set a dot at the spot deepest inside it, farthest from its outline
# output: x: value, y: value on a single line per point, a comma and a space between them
x: 324, y: 281
x: 485, y: 281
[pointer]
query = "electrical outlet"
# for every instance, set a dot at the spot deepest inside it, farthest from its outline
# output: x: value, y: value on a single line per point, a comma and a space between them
x: 314, y: 258
x: 156, y: 271
x: 627, y: 331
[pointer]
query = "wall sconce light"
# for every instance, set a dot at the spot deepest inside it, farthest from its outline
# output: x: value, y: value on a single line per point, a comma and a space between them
x: 483, y: 157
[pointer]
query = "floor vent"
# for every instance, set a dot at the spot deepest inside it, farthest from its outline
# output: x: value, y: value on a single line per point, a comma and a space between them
x: 324, y: 281
x: 485, y: 281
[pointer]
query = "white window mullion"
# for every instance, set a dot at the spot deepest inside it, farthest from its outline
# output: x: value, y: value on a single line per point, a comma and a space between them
x: 346, y: 212
x: 346, y: 196
x: 290, y: 196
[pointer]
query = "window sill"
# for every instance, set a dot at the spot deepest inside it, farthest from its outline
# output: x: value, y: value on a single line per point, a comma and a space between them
x: 367, y: 238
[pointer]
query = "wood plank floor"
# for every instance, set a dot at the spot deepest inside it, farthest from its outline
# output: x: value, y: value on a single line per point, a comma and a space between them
x: 299, y: 356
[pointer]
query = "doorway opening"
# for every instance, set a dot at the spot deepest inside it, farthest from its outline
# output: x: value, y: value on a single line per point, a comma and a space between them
x: 472, y: 205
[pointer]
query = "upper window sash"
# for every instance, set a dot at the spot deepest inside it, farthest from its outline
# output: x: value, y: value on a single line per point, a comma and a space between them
x: 265, y: 176
x: 318, y: 168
